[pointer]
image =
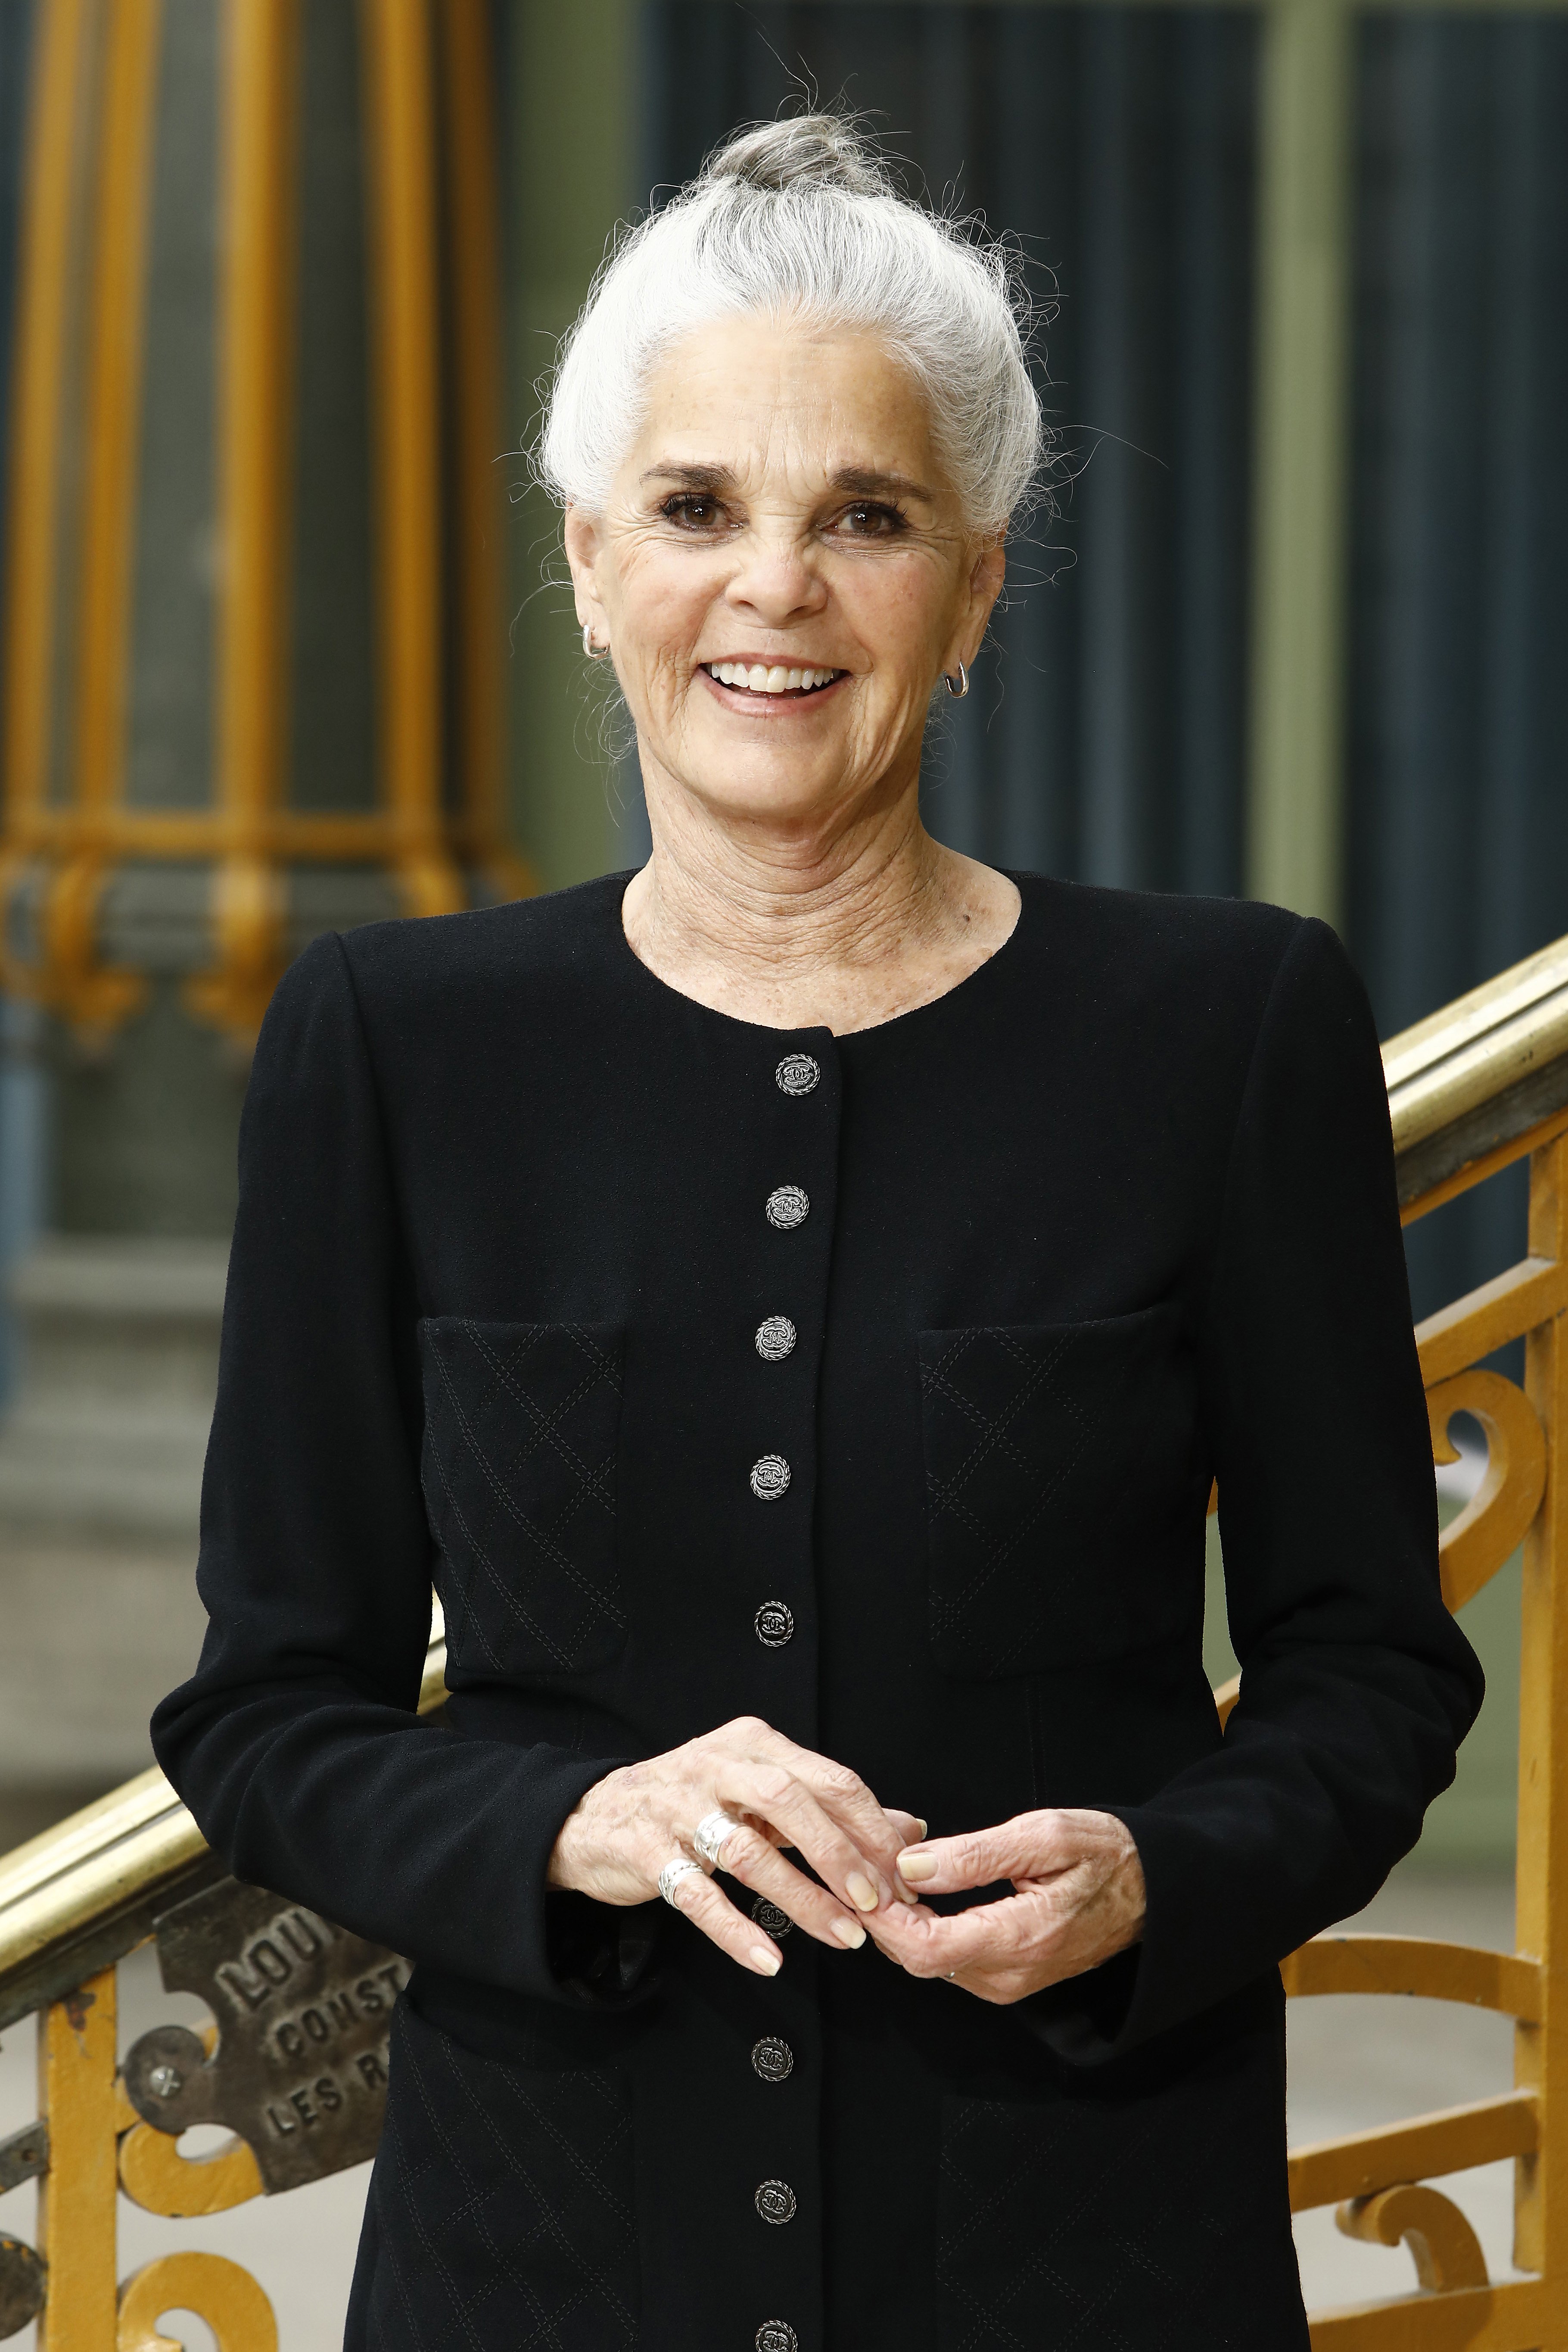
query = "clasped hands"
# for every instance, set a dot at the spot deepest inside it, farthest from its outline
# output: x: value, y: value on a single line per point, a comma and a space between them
x: 1078, y: 1886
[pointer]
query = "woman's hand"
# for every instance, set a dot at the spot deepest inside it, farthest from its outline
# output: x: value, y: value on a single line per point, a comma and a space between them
x: 1080, y: 1898
x: 634, y: 1822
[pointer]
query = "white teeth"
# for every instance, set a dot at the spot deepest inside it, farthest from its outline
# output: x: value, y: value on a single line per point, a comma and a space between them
x: 777, y: 679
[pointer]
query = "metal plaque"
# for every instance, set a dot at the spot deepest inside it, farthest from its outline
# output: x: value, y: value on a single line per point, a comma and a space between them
x: 303, y: 2011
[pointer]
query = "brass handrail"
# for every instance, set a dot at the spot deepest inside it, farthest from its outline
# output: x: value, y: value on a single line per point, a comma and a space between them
x: 1482, y: 1079
x: 75, y: 1896
x: 1451, y: 1078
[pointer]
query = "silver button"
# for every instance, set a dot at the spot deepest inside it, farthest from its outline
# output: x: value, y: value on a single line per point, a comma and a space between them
x: 775, y: 1338
x: 775, y: 1624
x: 770, y: 1479
x: 772, y: 2059
x: 770, y: 1918
x: 787, y: 1207
x: 797, y: 1073
x: 774, y: 2201
x: 777, y: 2336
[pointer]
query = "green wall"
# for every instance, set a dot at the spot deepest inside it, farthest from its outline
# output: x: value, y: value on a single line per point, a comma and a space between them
x: 571, y: 172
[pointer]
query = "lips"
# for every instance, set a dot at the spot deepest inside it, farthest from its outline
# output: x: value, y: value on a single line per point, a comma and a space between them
x: 770, y: 679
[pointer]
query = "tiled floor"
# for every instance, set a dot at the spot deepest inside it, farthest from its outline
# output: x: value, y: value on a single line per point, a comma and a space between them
x: 1354, y: 2061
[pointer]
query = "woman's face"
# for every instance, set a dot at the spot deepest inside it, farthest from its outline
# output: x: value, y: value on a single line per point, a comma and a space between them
x: 782, y: 573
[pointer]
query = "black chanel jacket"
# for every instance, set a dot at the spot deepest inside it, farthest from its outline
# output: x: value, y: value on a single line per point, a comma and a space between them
x: 1113, y: 1218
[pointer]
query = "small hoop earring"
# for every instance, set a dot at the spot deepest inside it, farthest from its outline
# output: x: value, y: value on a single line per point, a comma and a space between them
x: 594, y: 653
x: 962, y: 689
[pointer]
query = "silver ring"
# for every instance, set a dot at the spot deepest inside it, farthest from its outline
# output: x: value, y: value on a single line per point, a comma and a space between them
x: 962, y: 689
x: 679, y: 1866
x: 711, y: 1833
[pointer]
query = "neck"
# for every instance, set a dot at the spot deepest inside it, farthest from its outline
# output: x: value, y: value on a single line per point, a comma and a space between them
x: 837, y: 923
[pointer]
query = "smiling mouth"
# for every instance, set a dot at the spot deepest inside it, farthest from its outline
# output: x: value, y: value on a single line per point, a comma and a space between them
x: 776, y: 681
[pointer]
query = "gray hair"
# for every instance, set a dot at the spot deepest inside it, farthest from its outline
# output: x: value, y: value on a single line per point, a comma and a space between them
x: 802, y: 216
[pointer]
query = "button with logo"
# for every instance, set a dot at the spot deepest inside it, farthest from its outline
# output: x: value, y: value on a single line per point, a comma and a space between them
x: 797, y: 1073
x: 772, y: 2059
x: 775, y: 1338
x: 766, y: 1915
x: 775, y: 1623
x: 774, y: 2201
x: 770, y: 1479
x: 777, y: 2336
x: 787, y: 1206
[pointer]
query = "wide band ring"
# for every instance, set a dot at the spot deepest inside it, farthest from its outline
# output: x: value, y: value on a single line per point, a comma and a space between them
x: 679, y: 1866
x: 711, y: 1833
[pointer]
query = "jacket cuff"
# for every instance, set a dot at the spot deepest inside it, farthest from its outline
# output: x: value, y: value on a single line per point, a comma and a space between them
x: 1180, y: 1967
x: 572, y: 1948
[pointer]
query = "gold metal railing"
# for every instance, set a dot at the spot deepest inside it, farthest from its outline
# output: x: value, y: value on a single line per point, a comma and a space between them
x: 1479, y: 1086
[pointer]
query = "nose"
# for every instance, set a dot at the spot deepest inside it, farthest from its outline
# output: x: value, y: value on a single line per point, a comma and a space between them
x: 774, y: 581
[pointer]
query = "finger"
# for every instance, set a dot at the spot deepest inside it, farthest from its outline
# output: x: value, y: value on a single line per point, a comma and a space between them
x: 1031, y: 1845
x: 749, y: 1855
x: 845, y: 1798
x: 775, y: 1794
x: 910, y: 1829
x: 992, y: 1937
x: 710, y: 1911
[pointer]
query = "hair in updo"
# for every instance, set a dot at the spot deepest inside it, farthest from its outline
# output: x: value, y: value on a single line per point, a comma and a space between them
x: 801, y: 215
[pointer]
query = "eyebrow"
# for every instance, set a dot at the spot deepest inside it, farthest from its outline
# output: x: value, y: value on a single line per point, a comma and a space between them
x: 857, y: 481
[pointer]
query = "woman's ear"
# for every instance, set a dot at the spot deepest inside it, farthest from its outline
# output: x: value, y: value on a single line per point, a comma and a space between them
x: 583, y: 538
x: 986, y: 582
x: 985, y: 576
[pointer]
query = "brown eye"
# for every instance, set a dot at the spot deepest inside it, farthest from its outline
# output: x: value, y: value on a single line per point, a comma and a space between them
x: 870, y: 522
x: 691, y: 510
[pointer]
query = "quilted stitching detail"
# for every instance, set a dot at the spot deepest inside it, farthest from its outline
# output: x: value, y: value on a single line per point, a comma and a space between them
x: 518, y: 1468
x: 501, y: 2207
x: 1065, y: 2227
x: 1032, y: 1437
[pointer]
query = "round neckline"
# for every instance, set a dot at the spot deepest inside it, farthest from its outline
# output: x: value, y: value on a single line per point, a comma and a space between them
x: 817, y: 1029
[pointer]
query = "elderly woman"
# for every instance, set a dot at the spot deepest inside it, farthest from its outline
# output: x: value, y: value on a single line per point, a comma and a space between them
x: 795, y: 1300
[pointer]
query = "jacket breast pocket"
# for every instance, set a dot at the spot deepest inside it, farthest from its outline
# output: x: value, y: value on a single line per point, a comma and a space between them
x: 1045, y: 1444
x: 521, y: 1424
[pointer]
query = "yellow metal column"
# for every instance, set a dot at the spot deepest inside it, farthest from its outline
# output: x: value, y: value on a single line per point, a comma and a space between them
x: 76, y: 2048
x: 1295, y: 787
x: 256, y: 389
x: 43, y: 309
x: 481, y: 516
x: 91, y: 995
x: 1541, y: 2050
x: 402, y: 131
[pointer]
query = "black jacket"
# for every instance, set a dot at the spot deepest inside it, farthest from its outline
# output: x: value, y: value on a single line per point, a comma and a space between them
x: 1113, y: 1218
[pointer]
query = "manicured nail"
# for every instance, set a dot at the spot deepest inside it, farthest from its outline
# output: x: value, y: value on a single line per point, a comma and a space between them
x: 916, y: 1866
x: 920, y: 1825
x: 768, y: 1962
x: 849, y: 1933
x: 860, y: 1892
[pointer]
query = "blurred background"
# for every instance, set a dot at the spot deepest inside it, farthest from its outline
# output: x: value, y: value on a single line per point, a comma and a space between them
x: 283, y: 644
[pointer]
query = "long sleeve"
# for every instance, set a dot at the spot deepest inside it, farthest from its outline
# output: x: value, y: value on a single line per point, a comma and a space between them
x: 296, y: 1743
x: 1357, y: 1684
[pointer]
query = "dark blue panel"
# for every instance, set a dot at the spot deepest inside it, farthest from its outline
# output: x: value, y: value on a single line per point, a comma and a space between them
x: 1457, y: 772
x: 1103, y: 735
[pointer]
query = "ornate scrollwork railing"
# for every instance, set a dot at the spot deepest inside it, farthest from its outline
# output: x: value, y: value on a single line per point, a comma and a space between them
x: 294, y: 2062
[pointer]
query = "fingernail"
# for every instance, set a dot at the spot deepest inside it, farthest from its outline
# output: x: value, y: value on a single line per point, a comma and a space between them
x: 849, y: 1933
x: 921, y: 1825
x: 860, y: 1892
x: 916, y: 1866
x: 768, y: 1962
